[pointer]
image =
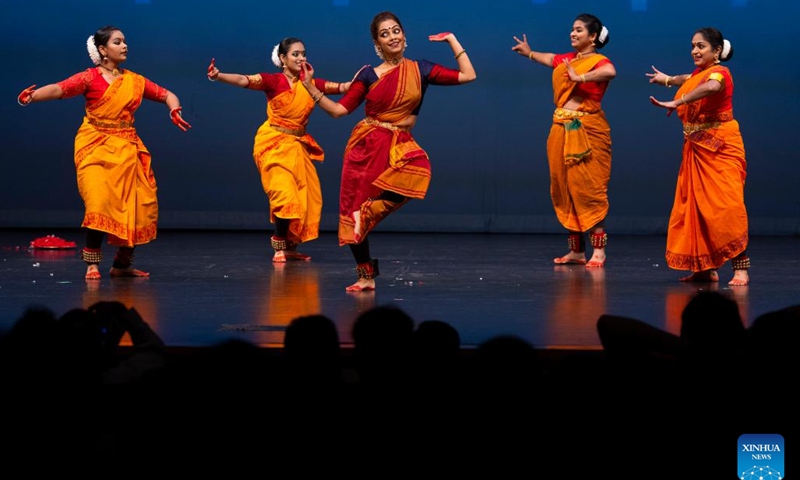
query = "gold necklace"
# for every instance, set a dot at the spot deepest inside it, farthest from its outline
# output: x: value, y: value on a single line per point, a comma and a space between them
x: 290, y: 77
x: 582, y: 55
x: 114, y: 72
x: 394, y: 61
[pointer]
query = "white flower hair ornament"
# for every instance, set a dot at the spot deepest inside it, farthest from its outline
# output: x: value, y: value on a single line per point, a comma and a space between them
x: 603, y: 34
x: 726, y: 49
x: 275, y: 58
x: 92, y: 49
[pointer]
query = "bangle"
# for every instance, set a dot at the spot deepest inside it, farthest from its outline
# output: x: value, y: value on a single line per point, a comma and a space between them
x: 462, y: 52
x: 666, y: 82
x: 211, y: 79
x: 319, y: 97
x: 22, y: 104
x: 683, y: 99
x: 583, y: 77
x: 530, y: 55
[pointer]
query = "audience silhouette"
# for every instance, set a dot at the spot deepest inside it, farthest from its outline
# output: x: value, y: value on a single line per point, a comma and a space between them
x: 70, y: 383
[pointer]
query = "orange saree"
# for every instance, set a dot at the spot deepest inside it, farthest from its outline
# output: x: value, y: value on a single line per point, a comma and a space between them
x: 708, y: 224
x: 283, y: 153
x: 114, y: 172
x: 380, y: 156
x: 579, y: 153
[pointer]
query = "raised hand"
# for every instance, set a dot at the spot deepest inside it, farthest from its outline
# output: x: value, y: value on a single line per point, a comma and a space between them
x: 657, y: 77
x: 26, y: 96
x: 213, y: 71
x: 306, y: 73
x: 177, y: 119
x: 571, y: 73
x: 440, y: 37
x: 522, y: 46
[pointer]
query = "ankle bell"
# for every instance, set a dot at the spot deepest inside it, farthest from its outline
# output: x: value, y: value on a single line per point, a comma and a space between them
x: 368, y: 270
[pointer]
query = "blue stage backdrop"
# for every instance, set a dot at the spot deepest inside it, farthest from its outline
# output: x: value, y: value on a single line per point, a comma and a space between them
x: 486, y: 139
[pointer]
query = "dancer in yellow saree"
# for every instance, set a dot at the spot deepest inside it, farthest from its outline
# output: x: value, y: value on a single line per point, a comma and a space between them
x: 283, y: 151
x: 579, y: 143
x: 114, y: 171
x: 708, y: 225
x: 383, y: 166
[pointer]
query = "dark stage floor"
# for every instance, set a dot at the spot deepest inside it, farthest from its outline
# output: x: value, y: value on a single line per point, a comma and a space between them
x: 206, y: 287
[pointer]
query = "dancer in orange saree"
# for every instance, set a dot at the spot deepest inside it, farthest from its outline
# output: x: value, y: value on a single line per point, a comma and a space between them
x: 384, y: 167
x: 114, y: 171
x: 579, y: 143
x: 708, y: 225
x: 283, y: 151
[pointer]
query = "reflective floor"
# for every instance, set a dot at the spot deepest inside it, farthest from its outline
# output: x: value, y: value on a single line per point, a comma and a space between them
x: 207, y: 286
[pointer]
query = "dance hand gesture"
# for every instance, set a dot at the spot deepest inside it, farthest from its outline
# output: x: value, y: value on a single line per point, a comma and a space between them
x: 306, y: 73
x: 441, y: 37
x: 26, y: 96
x: 670, y: 106
x: 571, y: 73
x: 177, y: 119
x: 658, y: 77
x: 522, y: 46
x: 213, y: 71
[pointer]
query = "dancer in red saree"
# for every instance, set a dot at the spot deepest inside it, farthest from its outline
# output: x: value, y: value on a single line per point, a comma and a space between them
x: 384, y: 167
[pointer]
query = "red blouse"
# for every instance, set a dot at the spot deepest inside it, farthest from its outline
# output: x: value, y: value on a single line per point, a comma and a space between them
x: 92, y: 85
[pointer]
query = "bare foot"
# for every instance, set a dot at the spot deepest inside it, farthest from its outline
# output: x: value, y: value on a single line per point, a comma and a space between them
x: 127, y: 272
x: 740, y: 278
x: 295, y: 255
x: 362, y: 285
x: 706, y: 276
x: 598, y: 259
x: 279, y: 257
x: 92, y: 272
x: 571, y: 258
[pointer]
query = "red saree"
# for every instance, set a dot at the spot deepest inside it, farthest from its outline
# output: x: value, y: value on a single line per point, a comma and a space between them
x: 380, y: 156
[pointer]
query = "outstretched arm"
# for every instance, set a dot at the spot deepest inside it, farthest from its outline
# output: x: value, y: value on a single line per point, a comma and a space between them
x: 466, y: 72
x: 332, y: 108
x: 525, y: 50
x: 230, y: 78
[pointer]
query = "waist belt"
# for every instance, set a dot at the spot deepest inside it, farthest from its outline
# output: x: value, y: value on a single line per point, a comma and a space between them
x: 386, y: 125
x: 564, y: 113
x: 110, y: 125
x: 698, y: 127
x: 297, y: 132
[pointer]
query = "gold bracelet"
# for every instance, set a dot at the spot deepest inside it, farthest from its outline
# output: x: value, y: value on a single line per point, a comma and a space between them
x: 583, y: 77
x: 530, y: 55
x: 317, y: 99
x: 462, y: 52
x: 666, y: 82
x: 683, y: 99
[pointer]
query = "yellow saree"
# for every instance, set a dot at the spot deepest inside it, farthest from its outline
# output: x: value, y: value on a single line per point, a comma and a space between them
x: 283, y: 154
x: 114, y: 172
x: 579, y: 154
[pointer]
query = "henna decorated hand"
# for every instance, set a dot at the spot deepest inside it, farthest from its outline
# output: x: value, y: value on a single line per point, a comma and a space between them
x: 177, y: 119
x: 26, y: 96
x: 440, y: 37
x: 213, y: 71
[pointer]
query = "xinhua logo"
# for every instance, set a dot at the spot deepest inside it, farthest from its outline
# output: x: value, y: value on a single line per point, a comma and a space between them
x: 761, y: 457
